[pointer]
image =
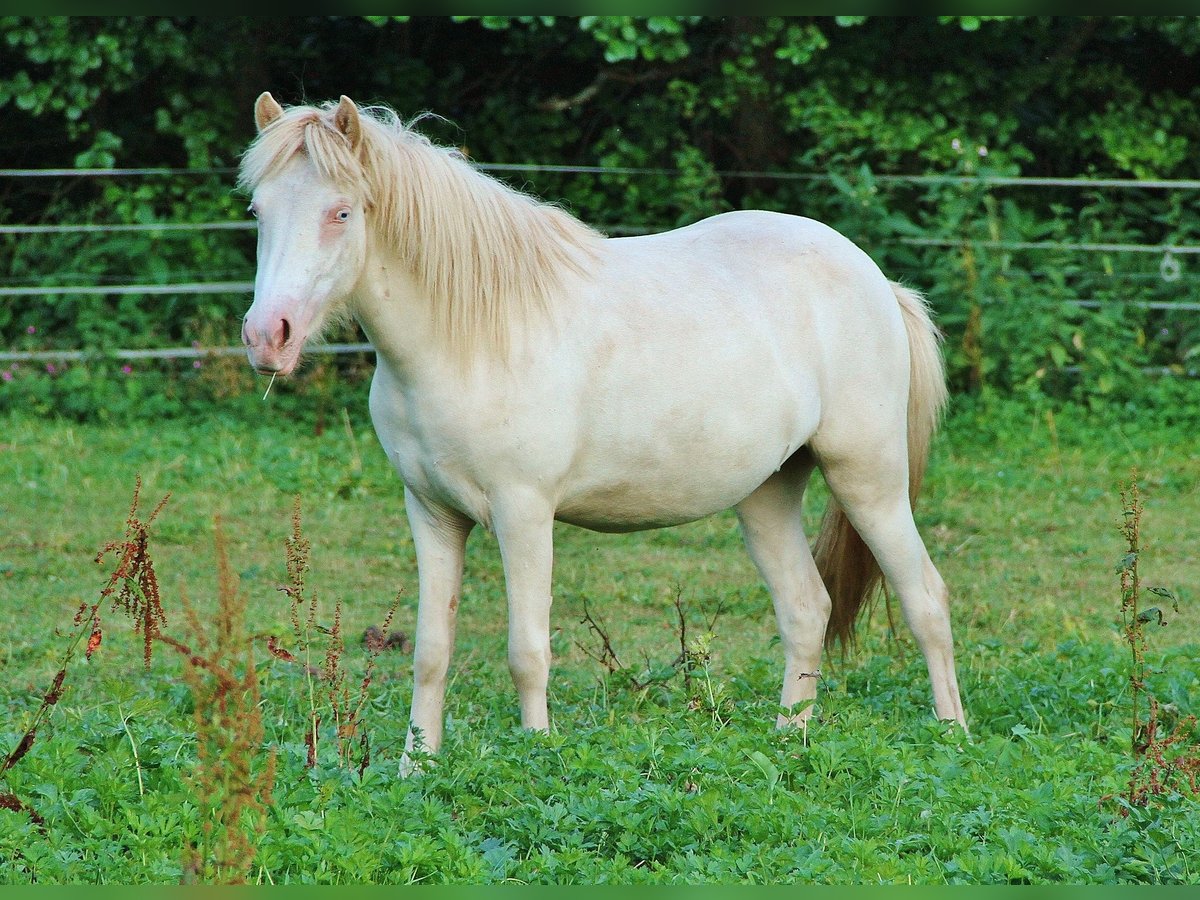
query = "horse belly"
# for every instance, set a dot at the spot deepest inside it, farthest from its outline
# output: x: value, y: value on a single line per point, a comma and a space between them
x: 635, y: 505
x: 682, y: 465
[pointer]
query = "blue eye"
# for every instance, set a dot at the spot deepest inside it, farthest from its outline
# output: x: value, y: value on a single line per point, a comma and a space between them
x: 343, y: 215
x: 252, y: 210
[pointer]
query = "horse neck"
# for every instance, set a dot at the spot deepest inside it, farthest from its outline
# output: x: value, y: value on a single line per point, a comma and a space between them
x: 396, y: 316
x: 399, y: 318
x: 402, y: 320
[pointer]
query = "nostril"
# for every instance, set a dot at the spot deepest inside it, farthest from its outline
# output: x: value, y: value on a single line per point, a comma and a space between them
x: 286, y: 331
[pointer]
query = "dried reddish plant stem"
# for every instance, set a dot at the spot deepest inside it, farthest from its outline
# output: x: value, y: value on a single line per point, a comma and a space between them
x: 345, y: 709
x: 296, y: 557
x: 348, y: 713
x: 335, y: 679
x: 1167, y: 762
x: 1135, y: 637
x: 23, y: 747
x: 607, y: 656
x: 685, y: 658
x: 684, y: 663
x: 13, y: 803
x: 297, y: 549
x: 232, y: 784
x: 135, y: 586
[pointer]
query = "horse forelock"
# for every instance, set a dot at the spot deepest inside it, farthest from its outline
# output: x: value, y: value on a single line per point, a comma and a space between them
x: 488, y: 257
x: 302, y: 130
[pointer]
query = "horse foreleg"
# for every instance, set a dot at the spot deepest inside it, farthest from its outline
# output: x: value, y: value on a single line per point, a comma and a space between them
x: 440, y: 538
x: 524, y: 527
x: 774, y: 533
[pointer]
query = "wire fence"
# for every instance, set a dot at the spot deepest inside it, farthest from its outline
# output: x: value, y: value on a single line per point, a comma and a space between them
x: 985, y: 180
x: 1170, y: 268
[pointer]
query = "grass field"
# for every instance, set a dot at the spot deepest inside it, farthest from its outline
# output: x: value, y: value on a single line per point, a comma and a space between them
x: 679, y: 781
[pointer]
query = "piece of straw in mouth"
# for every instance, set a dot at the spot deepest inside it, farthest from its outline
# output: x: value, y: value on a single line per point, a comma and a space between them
x: 269, y: 384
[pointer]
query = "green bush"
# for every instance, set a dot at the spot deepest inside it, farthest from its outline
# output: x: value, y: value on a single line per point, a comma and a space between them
x: 698, y: 104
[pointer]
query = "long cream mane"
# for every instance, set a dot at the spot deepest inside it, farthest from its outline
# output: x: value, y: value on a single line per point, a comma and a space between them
x: 487, y: 256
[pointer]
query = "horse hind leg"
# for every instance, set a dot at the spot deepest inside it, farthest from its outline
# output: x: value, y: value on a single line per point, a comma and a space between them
x: 871, y: 486
x: 774, y: 533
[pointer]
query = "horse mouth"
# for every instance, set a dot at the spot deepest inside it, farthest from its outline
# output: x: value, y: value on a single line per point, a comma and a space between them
x: 280, y: 363
x: 283, y: 369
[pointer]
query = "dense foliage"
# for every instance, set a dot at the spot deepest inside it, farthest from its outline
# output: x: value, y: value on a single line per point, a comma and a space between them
x: 814, y: 115
x: 631, y: 793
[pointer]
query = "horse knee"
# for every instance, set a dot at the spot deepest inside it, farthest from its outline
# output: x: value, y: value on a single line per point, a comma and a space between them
x: 529, y: 666
x: 431, y: 662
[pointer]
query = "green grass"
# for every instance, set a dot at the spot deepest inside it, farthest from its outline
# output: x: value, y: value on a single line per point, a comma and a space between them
x: 1021, y: 514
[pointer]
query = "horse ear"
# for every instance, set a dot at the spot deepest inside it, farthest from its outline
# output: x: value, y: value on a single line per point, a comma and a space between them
x: 345, y: 117
x: 266, y: 110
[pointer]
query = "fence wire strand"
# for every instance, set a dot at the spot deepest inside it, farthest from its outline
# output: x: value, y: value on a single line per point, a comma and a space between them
x: 245, y: 286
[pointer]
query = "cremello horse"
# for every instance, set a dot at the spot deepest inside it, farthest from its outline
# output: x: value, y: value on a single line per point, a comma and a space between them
x: 530, y: 369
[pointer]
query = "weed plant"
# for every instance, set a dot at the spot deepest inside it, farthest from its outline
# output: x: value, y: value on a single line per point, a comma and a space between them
x: 1166, y: 753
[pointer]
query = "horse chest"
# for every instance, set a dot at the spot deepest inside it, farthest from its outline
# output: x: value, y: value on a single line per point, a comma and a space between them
x: 454, y: 451
x: 437, y: 474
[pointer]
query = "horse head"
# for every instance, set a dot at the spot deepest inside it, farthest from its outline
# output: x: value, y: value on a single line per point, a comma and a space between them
x: 304, y: 174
